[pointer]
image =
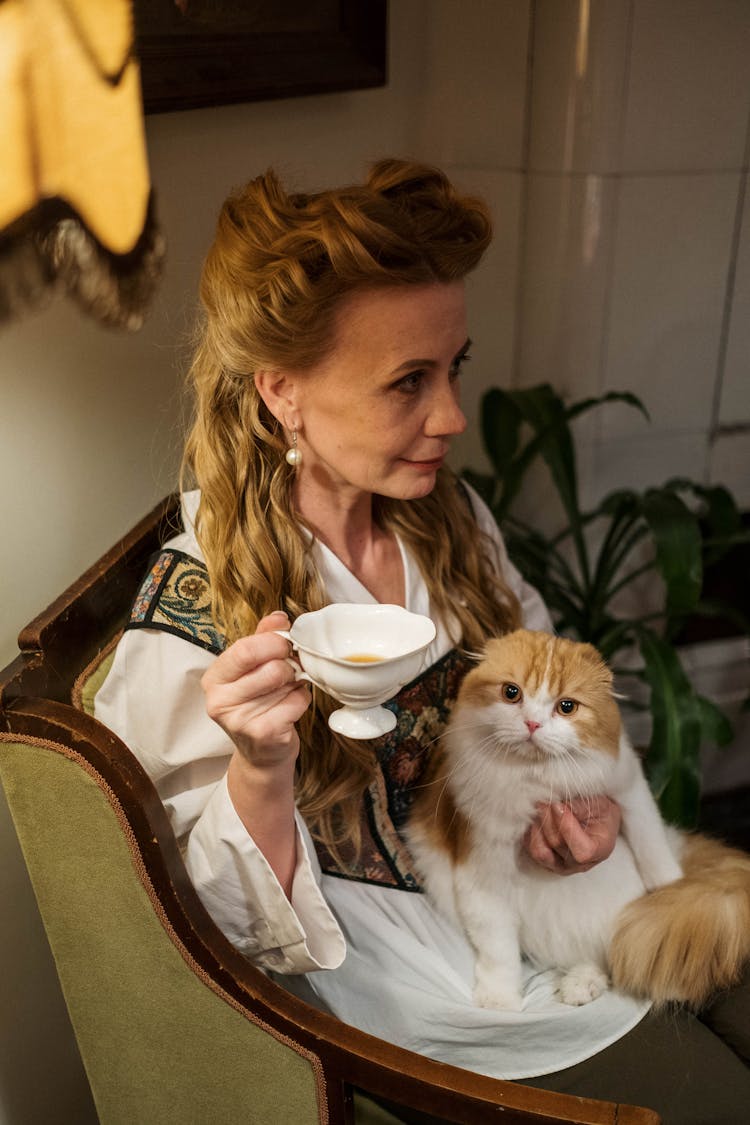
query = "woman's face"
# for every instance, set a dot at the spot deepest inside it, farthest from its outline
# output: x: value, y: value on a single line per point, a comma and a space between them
x: 378, y: 414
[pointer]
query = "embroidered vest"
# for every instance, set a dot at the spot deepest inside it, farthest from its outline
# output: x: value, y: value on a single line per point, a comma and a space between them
x: 175, y: 598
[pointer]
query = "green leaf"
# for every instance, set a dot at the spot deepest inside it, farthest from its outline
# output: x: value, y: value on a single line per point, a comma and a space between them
x: 482, y: 483
x: 720, y: 512
x: 673, y: 758
x: 680, y: 798
x: 545, y: 412
x: 715, y: 725
x: 677, y: 539
x: 623, y: 510
x: 611, y: 396
x: 501, y: 424
x: 614, y: 634
x: 621, y: 502
x: 719, y: 509
x: 719, y: 515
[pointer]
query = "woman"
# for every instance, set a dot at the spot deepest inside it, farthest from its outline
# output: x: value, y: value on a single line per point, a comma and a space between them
x: 326, y: 395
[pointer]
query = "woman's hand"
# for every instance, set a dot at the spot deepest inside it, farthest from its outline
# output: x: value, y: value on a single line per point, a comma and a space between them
x: 575, y: 836
x: 252, y: 694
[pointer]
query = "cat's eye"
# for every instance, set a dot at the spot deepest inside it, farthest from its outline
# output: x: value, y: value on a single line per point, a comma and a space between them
x: 511, y: 693
x: 566, y: 706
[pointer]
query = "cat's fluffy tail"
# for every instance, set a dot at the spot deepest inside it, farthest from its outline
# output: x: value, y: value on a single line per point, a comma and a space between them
x: 688, y: 940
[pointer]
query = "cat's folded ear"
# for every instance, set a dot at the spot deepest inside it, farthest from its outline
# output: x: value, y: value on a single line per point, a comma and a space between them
x: 597, y: 660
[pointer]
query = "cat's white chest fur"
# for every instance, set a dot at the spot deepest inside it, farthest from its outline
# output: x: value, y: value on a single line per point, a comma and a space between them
x: 509, y: 906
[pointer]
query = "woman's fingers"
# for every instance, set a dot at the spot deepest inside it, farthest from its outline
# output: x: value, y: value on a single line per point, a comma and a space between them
x: 276, y: 620
x: 252, y: 692
x: 246, y: 655
x: 538, y: 848
x: 573, y: 837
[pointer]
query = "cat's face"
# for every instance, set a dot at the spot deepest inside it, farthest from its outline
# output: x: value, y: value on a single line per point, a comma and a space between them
x: 543, y: 696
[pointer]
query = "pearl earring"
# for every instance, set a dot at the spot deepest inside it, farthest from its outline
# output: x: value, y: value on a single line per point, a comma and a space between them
x: 293, y: 455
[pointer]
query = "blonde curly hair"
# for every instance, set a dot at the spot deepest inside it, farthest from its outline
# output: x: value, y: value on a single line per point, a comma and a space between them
x: 272, y: 281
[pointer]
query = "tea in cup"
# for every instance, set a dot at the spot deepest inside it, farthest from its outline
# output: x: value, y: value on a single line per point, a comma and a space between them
x: 361, y: 654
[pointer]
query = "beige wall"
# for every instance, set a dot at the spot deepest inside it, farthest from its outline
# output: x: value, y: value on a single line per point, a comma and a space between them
x: 617, y: 178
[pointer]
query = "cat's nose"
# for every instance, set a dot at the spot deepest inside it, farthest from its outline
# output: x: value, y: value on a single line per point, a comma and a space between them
x: 532, y: 725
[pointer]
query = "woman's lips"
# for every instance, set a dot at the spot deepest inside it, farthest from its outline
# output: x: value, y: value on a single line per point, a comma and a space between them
x: 428, y: 466
x: 426, y: 462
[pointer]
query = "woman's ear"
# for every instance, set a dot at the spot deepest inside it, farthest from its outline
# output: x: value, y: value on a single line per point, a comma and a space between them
x: 278, y: 391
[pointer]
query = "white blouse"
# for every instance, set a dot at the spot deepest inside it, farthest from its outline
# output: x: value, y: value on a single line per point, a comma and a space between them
x: 394, y: 967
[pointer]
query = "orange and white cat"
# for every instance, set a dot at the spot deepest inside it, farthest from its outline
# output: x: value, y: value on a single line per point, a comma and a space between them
x: 666, y: 916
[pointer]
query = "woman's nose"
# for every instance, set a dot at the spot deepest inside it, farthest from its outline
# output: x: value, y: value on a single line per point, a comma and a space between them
x: 446, y: 418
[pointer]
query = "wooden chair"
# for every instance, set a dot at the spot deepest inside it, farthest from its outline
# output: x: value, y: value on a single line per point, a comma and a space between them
x: 172, y: 1022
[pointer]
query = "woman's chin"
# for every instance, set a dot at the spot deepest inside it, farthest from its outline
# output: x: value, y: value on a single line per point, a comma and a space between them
x: 417, y: 487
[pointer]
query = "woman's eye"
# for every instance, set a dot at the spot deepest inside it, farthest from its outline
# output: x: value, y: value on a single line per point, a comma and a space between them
x: 566, y: 706
x: 457, y: 365
x: 410, y: 383
x: 511, y: 693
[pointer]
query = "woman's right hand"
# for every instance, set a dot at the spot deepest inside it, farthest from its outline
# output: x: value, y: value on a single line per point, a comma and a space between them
x: 252, y: 693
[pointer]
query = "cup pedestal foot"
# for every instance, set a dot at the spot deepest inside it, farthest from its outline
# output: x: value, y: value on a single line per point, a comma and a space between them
x: 369, y: 722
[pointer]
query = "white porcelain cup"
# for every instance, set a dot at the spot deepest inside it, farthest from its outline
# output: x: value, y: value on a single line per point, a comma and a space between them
x: 361, y: 655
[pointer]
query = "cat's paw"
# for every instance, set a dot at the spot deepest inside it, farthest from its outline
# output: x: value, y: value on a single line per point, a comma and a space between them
x: 497, y: 996
x: 582, y: 984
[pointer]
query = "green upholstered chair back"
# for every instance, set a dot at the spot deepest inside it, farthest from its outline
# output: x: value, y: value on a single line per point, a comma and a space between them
x: 161, y: 1041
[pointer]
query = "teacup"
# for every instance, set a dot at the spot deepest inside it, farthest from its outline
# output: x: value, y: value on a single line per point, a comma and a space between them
x: 361, y: 655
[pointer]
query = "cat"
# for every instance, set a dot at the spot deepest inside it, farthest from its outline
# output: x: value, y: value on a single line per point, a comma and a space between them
x: 666, y: 917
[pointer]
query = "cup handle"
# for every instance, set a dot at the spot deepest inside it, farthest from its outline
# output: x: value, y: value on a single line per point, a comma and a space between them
x: 298, y: 673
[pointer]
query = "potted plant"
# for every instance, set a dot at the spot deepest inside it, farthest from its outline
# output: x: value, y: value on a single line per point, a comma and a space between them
x: 582, y: 571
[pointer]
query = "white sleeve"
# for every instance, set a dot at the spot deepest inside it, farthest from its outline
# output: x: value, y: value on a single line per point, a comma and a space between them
x: 153, y: 700
x: 534, y: 612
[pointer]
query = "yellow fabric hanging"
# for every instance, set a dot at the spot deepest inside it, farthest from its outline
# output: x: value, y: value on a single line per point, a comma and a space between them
x: 75, y: 200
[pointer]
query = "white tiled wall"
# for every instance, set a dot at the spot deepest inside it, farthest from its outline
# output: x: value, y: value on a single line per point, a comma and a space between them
x: 673, y: 241
x: 635, y: 250
x: 580, y: 55
x: 635, y: 256
x: 688, y: 87
x: 491, y: 295
x: 471, y: 120
x: 567, y: 257
x: 472, y: 109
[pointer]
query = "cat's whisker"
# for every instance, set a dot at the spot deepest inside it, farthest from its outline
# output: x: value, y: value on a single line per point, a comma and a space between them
x: 437, y: 804
x: 573, y: 776
x: 461, y: 728
x: 467, y: 726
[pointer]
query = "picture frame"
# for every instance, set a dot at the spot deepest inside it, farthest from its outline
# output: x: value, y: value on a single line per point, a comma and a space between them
x: 197, y: 53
